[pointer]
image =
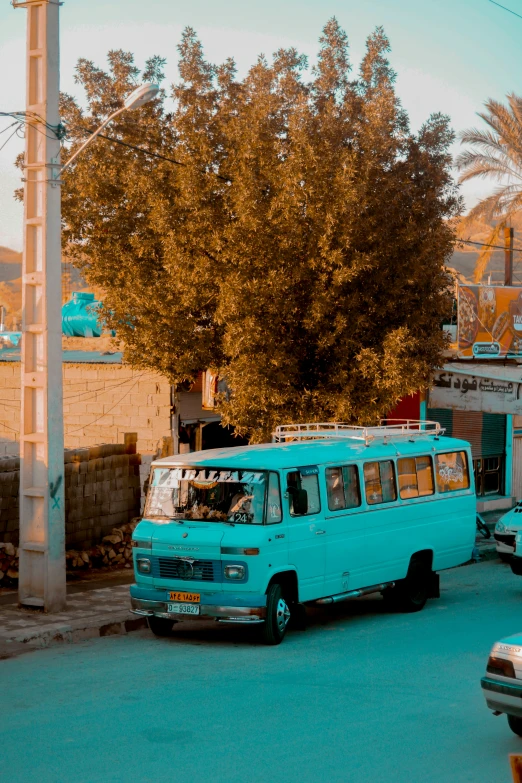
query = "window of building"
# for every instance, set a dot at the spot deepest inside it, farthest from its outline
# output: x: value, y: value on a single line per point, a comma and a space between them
x: 379, y: 482
x: 342, y: 487
x: 489, y: 475
x: 452, y: 471
x: 415, y: 476
x: 307, y: 479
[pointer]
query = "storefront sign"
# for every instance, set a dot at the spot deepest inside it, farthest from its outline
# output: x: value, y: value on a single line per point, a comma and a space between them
x: 475, y: 393
x: 489, y: 321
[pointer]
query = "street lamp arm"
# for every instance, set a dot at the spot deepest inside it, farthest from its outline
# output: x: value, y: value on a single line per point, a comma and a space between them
x: 138, y: 97
x: 92, y: 137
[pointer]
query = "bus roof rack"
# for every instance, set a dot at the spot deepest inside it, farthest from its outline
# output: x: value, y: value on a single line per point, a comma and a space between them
x: 387, y: 430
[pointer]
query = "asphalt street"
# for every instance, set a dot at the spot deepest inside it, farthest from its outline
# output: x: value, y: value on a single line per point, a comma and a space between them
x: 360, y: 696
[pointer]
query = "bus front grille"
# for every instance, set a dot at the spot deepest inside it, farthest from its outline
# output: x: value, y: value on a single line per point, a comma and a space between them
x: 186, y: 570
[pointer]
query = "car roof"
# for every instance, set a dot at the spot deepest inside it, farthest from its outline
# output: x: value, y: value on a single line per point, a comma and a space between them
x: 265, y: 456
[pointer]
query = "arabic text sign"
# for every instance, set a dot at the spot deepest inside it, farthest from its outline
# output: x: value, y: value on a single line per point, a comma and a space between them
x: 489, y: 321
x: 472, y: 393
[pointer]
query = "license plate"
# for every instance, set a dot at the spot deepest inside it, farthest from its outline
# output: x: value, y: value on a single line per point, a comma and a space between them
x: 185, y: 598
x: 183, y: 608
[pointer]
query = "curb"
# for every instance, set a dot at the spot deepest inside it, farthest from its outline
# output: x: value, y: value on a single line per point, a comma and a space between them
x: 47, y: 636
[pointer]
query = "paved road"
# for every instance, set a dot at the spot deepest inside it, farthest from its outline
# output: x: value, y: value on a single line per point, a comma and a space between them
x: 361, y: 696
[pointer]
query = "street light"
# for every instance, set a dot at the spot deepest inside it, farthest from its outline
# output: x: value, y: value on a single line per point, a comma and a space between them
x: 138, y: 97
x: 42, y: 502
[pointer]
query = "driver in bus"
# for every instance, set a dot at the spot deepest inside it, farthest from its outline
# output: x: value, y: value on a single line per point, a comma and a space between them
x: 241, y: 502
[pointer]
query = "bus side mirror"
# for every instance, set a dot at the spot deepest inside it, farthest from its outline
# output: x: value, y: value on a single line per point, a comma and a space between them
x: 299, y: 500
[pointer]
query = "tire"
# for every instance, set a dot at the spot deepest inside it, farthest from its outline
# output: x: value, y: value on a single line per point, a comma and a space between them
x: 274, y: 628
x: 160, y: 626
x: 515, y: 724
x: 410, y: 594
x: 505, y: 556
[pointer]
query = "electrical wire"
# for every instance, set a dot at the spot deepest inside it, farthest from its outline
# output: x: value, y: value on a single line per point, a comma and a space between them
x: 106, y: 413
x: 151, y: 154
x: 9, y: 138
x: 94, y: 392
x: 484, y: 244
x: 9, y: 126
x: 506, y: 9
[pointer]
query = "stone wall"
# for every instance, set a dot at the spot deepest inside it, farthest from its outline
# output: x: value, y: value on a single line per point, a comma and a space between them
x: 102, y: 491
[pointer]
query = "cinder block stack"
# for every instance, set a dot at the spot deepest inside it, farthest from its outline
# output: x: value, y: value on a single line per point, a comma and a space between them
x: 102, y: 490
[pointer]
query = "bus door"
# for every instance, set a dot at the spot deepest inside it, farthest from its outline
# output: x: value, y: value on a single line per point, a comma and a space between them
x: 306, y: 530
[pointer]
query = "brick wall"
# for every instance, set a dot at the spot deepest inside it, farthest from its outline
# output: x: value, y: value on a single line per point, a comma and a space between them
x: 101, y: 403
x: 102, y: 491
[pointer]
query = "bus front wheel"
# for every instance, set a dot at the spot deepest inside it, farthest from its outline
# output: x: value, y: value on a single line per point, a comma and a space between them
x: 277, y: 615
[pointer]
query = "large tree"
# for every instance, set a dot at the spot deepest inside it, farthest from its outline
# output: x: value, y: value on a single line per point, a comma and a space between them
x: 297, y: 244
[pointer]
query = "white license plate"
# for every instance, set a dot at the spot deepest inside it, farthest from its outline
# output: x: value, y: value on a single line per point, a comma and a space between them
x: 183, y: 608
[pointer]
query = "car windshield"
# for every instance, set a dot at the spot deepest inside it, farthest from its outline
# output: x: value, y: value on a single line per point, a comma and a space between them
x: 236, y: 496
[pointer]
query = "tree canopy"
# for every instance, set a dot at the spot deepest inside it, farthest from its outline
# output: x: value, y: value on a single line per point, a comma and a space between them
x: 297, y: 244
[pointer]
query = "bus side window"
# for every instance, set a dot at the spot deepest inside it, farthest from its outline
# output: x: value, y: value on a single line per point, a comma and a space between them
x: 342, y: 487
x: 379, y: 482
x: 308, y: 480
x: 452, y: 471
x: 415, y: 476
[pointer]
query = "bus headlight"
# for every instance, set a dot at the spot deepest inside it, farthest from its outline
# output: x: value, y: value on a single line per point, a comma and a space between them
x: 235, y: 572
x: 143, y: 564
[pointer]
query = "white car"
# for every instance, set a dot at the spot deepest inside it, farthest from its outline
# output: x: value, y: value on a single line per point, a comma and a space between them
x: 502, y: 685
x: 506, y: 530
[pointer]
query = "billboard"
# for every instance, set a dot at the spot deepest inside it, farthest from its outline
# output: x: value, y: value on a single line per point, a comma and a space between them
x: 489, y: 321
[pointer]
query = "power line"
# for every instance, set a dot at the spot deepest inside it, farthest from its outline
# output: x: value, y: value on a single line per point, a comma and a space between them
x: 506, y: 9
x: 484, y: 244
x: 69, y: 432
x: 10, y: 137
x: 151, y: 154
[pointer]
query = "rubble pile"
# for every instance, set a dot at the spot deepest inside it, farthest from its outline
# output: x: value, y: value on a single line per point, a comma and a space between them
x: 8, y: 564
x: 115, y: 551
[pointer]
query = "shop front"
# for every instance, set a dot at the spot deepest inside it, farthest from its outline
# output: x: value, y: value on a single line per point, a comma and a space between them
x: 480, y: 403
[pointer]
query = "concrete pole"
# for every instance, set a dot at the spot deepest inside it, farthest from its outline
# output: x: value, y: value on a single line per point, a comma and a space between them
x: 42, y: 511
x: 509, y: 234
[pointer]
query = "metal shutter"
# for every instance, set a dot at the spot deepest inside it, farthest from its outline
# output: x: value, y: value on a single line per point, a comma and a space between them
x: 486, y: 432
x: 493, y: 434
x: 467, y: 425
x: 445, y: 418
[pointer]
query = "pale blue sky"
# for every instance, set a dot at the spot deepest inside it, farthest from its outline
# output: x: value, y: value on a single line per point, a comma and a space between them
x: 450, y: 55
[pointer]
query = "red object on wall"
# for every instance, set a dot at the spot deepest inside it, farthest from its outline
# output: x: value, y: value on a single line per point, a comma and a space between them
x: 407, y: 408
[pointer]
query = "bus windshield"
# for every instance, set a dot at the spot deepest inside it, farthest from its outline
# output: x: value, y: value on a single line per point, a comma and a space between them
x: 221, y: 495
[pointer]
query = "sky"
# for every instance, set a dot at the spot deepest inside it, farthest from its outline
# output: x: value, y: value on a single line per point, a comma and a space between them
x: 449, y: 55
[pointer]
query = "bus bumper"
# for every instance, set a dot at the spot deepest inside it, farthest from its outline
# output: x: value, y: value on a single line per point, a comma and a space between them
x: 223, y: 607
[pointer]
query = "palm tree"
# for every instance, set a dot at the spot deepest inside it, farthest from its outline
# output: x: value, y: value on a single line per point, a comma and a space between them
x: 497, y: 154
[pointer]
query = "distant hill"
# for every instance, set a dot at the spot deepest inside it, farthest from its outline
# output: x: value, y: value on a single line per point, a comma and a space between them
x: 465, y: 256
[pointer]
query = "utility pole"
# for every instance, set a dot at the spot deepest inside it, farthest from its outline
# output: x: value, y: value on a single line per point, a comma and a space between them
x: 42, y: 510
x: 509, y: 234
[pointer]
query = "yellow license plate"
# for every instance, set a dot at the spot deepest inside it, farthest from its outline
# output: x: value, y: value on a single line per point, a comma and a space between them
x: 187, y: 598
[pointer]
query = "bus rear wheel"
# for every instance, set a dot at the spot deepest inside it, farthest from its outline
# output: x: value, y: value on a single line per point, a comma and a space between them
x: 274, y: 628
x: 410, y: 594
